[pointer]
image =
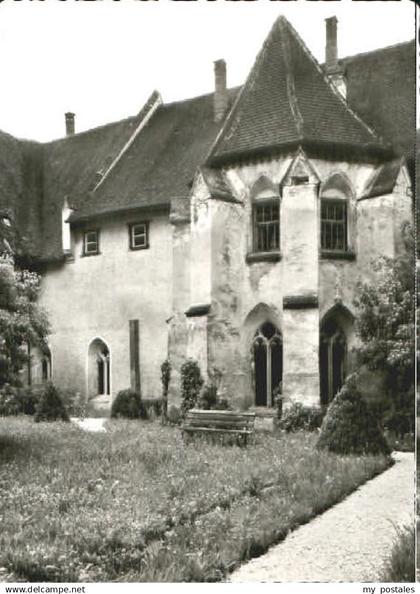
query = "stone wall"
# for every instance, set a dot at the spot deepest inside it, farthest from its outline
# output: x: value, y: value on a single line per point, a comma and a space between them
x: 96, y: 297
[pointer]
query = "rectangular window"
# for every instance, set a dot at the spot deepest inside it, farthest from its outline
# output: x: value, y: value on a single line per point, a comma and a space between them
x: 139, y: 236
x: 334, y: 226
x: 91, y: 243
x: 266, y: 227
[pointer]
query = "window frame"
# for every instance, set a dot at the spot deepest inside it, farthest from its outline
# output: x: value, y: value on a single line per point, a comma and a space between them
x: 344, y: 223
x: 274, y: 201
x: 131, y: 236
x: 86, y: 252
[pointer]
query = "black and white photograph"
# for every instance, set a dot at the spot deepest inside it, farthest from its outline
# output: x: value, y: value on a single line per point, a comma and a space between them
x: 208, y: 294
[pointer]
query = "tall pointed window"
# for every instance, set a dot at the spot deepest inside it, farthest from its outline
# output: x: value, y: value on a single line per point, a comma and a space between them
x: 268, y: 363
x: 99, y: 369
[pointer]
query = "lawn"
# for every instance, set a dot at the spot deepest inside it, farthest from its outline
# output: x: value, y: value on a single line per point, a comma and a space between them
x: 136, y: 504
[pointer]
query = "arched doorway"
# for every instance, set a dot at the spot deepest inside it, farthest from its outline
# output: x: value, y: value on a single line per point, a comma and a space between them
x: 46, y: 365
x: 99, y: 369
x: 268, y: 363
x: 332, y: 359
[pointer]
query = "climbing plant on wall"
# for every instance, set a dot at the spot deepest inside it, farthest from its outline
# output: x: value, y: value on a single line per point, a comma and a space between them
x: 191, y: 383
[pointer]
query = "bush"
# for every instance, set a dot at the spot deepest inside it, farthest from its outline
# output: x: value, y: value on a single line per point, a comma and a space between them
x: 128, y: 405
x: 50, y: 406
x: 222, y: 404
x: 191, y: 382
x: 208, y: 397
x: 10, y: 403
x: 350, y: 427
x: 174, y: 414
x: 165, y: 376
x: 299, y: 417
x: 75, y: 403
x: 29, y: 397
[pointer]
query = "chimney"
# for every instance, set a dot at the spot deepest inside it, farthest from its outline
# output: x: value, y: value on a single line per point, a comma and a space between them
x: 331, y: 60
x: 334, y: 71
x: 221, y: 99
x: 69, y: 123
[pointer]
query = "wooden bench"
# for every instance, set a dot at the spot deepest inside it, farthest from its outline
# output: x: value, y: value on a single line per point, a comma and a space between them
x: 238, y: 426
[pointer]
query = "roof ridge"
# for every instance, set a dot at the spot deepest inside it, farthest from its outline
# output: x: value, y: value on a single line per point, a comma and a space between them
x: 248, y: 81
x: 290, y: 80
x: 144, y: 115
x: 88, y: 131
x: 379, y: 49
x: 329, y: 83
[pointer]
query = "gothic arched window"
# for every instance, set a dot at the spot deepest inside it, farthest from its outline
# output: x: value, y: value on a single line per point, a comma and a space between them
x: 268, y: 363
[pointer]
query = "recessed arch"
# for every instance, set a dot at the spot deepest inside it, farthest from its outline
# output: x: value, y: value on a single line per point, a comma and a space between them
x: 336, y: 329
x: 337, y: 184
x: 46, y: 364
x: 267, y: 348
x: 98, y: 368
x: 262, y: 353
x: 263, y: 188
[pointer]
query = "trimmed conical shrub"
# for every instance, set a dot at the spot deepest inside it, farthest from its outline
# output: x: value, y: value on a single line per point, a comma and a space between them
x: 128, y: 405
x: 349, y: 427
x: 50, y: 406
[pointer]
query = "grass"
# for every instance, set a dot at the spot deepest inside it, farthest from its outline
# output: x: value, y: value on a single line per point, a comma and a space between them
x: 401, y: 564
x: 136, y: 504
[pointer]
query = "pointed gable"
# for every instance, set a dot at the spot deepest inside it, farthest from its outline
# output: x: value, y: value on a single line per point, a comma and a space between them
x: 286, y: 102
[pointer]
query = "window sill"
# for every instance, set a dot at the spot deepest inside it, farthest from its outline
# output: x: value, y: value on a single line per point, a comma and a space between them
x: 263, y: 257
x: 89, y: 255
x: 331, y: 255
x: 138, y: 248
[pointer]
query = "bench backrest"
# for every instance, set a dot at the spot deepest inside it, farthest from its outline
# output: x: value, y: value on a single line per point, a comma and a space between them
x: 223, y: 419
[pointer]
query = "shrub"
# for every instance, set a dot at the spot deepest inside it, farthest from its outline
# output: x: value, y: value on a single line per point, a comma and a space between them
x: 128, y: 405
x: 165, y: 376
x: 10, y: 403
x: 191, y: 382
x: 208, y: 397
x: 74, y: 402
x: 222, y: 404
x: 174, y: 414
x: 50, y: 406
x: 350, y: 427
x: 29, y: 397
x: 299, y: 417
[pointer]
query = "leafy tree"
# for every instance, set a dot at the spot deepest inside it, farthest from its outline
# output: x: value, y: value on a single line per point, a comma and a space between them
x: 23, y: 323
x: 385, y: 327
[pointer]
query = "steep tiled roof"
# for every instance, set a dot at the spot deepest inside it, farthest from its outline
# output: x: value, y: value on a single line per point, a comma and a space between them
x: 21, y: 190
x: 161, y: 163
x: 287, y: 101
x: 72, y: 167
x: 381, y: 89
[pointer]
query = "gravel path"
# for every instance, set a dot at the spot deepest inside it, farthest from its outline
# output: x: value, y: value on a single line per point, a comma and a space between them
x: 349, y: 542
